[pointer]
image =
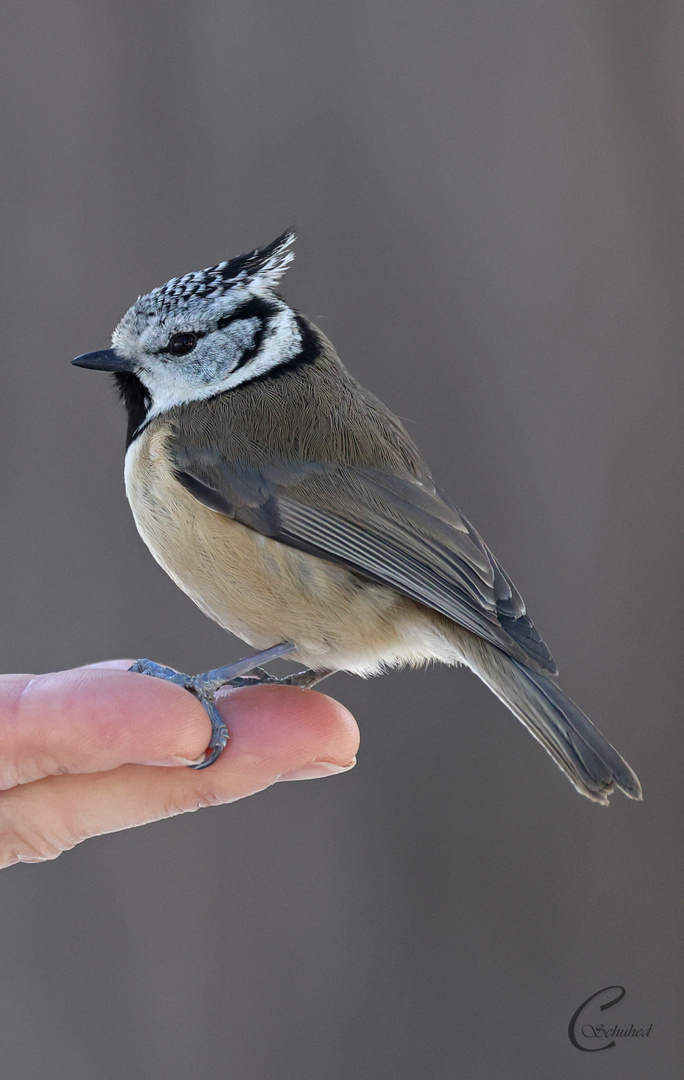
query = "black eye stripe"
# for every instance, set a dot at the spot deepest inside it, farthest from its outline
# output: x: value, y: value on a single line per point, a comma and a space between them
x: 251, y: 352
x: 256, y: 308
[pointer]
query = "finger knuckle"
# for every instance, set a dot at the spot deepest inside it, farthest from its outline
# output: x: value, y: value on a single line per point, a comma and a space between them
x: 197, y: 799
x: 24, y: 842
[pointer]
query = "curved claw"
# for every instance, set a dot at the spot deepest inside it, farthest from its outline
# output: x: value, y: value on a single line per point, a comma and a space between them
x: 219, y: 732
x: 245, y: 672
x: 158, y: 671
x: 193, y: 684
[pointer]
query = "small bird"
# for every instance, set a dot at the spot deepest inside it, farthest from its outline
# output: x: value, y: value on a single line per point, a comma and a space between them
x: 291, y: 505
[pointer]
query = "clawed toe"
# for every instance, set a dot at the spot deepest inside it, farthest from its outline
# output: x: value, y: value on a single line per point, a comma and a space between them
x: 245, y: 672
x: 258, y: 677
x: 194, y: 685
x: 219, y: 732
x: 306, y: 679
x: 157, y: 671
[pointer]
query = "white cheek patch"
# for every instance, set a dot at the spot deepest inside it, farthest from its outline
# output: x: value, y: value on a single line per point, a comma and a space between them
x: 281, y: 342
x: 214, y: 369
x: 221, y: 352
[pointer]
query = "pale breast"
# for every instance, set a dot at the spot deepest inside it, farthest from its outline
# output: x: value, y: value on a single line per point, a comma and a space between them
x: 259, y: 589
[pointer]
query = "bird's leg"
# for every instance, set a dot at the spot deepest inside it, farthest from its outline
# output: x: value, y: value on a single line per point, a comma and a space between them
x: 205, y: 686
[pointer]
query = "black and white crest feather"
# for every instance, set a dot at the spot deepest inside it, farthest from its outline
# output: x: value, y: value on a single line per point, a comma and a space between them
x: 262, y: 268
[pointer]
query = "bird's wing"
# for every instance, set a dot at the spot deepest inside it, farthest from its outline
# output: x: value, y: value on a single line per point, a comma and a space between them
x: 392, y: 529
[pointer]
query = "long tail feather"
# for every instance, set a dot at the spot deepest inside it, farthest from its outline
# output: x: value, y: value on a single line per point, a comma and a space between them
x: 578, y: 748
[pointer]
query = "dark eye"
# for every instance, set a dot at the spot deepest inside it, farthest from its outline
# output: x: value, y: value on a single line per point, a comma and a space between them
x: 180, y: 344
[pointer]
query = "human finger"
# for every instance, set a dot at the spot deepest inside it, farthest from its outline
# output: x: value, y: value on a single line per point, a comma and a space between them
x: 93, y: 719
x: 277, y: 733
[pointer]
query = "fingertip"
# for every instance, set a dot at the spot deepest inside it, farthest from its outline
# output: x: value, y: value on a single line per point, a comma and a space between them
x: 286, y: 720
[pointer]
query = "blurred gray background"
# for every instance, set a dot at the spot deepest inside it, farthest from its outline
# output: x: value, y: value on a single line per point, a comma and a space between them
x: 490, y: 206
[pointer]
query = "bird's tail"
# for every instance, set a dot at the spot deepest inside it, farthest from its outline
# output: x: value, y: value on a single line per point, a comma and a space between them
x: 578, y: 748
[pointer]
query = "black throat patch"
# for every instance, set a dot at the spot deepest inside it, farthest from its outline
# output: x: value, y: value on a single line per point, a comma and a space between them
x: 136, y: 399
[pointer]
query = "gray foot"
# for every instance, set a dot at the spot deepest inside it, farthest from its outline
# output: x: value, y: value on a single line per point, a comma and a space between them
x: 307, y: 679
x: 304, y: 679
x: 205, y: 686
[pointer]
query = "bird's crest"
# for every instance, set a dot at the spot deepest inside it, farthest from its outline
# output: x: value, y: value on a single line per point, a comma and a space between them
x: 260, y: 269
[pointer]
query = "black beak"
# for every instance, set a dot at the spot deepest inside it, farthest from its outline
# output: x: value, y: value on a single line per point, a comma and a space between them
x: 106, y: 360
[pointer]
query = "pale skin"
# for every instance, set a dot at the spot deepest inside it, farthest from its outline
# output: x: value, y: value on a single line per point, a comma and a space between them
x: 98, y: 749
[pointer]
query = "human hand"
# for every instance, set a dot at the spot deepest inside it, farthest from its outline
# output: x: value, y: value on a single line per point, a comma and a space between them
x: 99, y: 749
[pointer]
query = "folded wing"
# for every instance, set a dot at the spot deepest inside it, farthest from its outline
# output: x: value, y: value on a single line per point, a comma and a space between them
x: 393, y: 529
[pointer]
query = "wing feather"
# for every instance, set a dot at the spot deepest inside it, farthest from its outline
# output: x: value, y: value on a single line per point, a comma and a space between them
x: 393, y: 529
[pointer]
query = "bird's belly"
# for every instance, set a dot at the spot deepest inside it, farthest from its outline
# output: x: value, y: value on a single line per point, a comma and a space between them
x: 262, y: 590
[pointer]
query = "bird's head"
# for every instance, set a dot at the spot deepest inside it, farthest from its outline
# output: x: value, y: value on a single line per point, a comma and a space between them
x: 205, y: 333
